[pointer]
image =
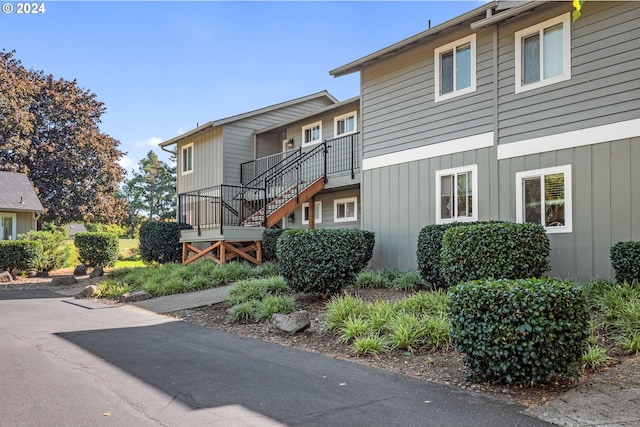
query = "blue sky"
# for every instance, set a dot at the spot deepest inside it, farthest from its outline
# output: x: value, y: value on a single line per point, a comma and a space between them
x: 161, y: 68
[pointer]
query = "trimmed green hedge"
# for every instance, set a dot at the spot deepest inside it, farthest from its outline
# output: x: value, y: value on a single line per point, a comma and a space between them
x: 97, y: 249
x: 519, y: 331
x: 19, y: 254
x: 323, y: 261
x: 160, y: 241
x: 270, y: 241
x: 625, y: 260
x: 500, y: 250
x: 428, y: 253
x: 55, y: 252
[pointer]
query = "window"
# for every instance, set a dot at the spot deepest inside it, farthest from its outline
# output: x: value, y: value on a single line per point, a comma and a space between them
x: 456, y: 194
x: 543, y: 197
x: 345, y: 124
x: 312, y: 134
x: 455, y: 68
x: 8, y: 226
x: 187, y: 159
x: 345, y: 209
x: 543, y: 54
x: 317, y: 215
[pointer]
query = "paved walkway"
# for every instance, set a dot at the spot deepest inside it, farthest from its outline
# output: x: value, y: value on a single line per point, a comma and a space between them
x: 613, y: 400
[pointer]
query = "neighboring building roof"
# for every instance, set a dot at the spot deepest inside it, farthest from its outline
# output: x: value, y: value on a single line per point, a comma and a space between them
x: 231, y: 119
x: 487, y: 12
x: 76, y: 228
x: 306, y: 116
x: 17, y: 194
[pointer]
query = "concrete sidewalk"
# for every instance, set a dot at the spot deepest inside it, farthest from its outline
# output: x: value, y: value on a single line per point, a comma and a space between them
x: 610, y: 400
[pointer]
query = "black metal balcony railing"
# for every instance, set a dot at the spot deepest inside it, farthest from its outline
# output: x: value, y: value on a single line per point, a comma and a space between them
x: 266, y: 179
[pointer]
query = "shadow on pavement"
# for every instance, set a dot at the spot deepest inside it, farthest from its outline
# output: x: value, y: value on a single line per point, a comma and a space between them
x: 9, y: 294
x: 205, y: 368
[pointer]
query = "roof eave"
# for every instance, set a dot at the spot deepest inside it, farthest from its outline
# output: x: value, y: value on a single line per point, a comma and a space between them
x: 356, y: 65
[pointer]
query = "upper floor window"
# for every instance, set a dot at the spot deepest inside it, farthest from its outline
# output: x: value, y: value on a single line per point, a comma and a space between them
x: 312, y: 134
x: 456, y: 194
x: 317, y: 213
x: 345, y: 209
x: 187, y: 159
x: 543, y: 54
x: 543, y: 197
x: 345, y: 124
x: 455, y: 68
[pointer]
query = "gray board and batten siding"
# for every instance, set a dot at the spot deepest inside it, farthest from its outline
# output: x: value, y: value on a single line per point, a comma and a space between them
x: 399, y: 113
x: 220, y: 147
x: 327, y: 199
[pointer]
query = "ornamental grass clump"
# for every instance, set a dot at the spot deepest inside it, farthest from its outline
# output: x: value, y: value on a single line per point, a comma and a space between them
x: 522, y: 331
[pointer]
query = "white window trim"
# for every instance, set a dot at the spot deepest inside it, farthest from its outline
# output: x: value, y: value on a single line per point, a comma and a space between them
x: 565, y: 19
x: 337, y: 202
x: 344, y: 116
x: 474, y: 193
x: 568, y: 210
x: 318, y: 218
x: 436, y: 53
x: 315, y: 141
x: 14, y: 223
x: 182, y: 165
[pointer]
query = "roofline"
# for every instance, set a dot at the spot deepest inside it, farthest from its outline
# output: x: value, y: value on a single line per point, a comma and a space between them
x: 306, y: 116
x: 356, y: 65
x: 230, y: 119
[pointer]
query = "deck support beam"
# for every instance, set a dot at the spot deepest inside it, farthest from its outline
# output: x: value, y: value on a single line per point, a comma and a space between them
x: 223, y: 251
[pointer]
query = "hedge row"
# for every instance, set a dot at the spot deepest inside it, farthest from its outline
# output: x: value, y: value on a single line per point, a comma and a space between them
x: 625, y: 259
x: 21, y: 255
x: 449, y: 254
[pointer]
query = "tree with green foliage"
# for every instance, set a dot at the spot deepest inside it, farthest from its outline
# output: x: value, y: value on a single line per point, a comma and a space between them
x: 49, y: 129
x: 152, y: 190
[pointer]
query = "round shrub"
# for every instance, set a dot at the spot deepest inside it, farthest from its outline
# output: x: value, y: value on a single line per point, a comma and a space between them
x: 494, y: 250
x: 21, y: 255
x: 429, y: 246
x: 519, y: 331
x: 97, y: 249
x: 269, y: 241
x: 625, y: 260
x: 160, y: 241
x: 323, y: 261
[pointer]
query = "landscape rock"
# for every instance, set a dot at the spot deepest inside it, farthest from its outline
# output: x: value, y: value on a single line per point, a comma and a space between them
x: 5, y: 277
x: 80, y: 270
x: 134, y: 296
x: 63, y: 281
x: 41, y: 274
x: 291, y: 323
x: 97, y: 272
x: 87, y: 292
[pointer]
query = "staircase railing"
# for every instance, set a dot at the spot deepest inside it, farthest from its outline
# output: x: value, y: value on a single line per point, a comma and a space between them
x: 255, y: 171
x: 298, y: 174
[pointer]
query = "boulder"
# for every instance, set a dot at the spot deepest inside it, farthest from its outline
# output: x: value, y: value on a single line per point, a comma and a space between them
x: 63, y: 281
x: 80, y: 270
x: 42, y: 274
x: 87, y: 292
x: 291, y: 323
x: 5, y: 277
x: 97, y: 272
x: 134, y: 296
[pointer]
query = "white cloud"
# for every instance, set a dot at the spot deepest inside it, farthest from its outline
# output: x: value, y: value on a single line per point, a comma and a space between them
x: 151, y: 142
x: 127, y: 163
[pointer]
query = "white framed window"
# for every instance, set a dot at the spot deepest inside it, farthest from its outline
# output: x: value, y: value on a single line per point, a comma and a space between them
x: 543, y: 196
x: 456, y: 194
x: 8, y: 226
x: 455, y: 68
x: 317, y: 215
x: 543, y: 53
x: 187, y: 159
x: 345, y: 210
x: 312, y: 134
x: 345, y: 124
